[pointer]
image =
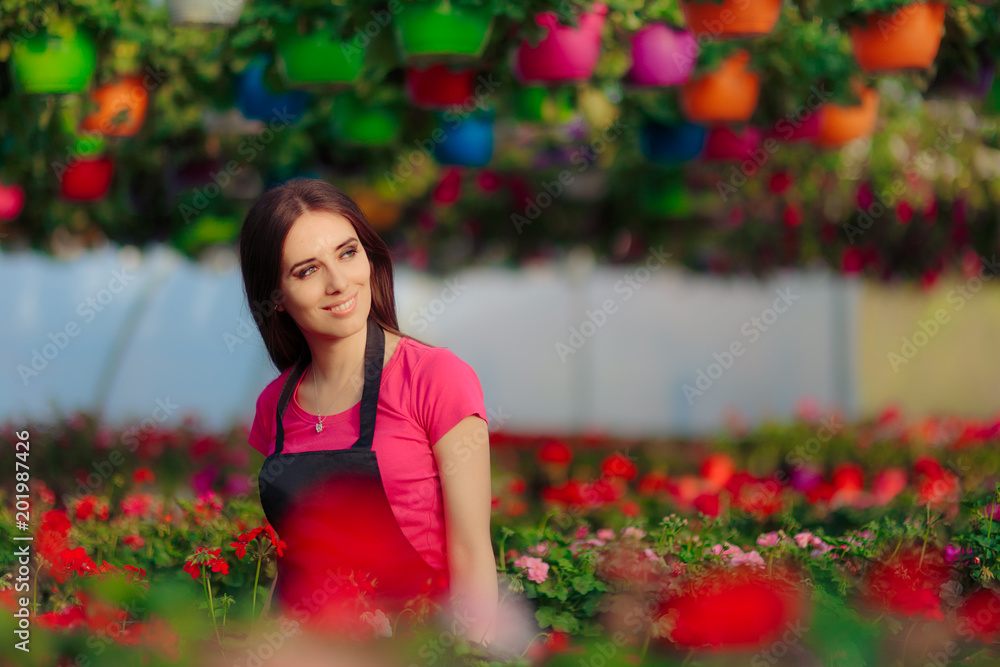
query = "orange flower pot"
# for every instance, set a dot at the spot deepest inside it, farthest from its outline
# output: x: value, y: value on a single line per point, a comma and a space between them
x: 122, y: 108
x: 727, y: 95
x: 733, y: 19
x: 905, y: 39
x: 839, y: 125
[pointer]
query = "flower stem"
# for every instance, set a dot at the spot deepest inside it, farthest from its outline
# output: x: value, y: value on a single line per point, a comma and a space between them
x: 253, y: 610
x: 211, y: 606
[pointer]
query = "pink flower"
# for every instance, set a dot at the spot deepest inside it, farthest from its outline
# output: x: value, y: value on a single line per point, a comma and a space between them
x: 605, y: 534
x: 650, y: 554
x: 769, y: 539
x: 539, y: 549
x: 727, y: 550
x: 750, y: 558
x: 632, y: 531
x: 538, y: 570
x: 582, y: 532
x: 803, y: 539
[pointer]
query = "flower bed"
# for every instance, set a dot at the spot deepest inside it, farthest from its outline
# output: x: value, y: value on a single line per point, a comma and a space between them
x: 808, y: 542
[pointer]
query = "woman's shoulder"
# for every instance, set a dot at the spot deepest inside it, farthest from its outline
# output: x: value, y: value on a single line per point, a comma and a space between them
x: 423, y: 360
x: 269, y: 394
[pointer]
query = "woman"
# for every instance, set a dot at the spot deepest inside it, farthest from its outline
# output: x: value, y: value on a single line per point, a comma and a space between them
x: 404, y: 506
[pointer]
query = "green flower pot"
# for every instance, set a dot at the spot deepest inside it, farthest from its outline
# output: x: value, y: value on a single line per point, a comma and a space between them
x: 358, y: 123
x: 665, y: 197
x: 318, y: 58
x: 441, y: 31
x: 51, y: 63
x: 539, y: 104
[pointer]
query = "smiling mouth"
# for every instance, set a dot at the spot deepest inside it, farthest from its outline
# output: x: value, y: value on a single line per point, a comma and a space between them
x: 347, y: 305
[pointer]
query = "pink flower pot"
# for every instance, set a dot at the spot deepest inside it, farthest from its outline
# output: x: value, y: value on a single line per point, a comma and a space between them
x: 723, y: 143
x: 565, y: 53
x: 662, y: 56
x: 796, y: 128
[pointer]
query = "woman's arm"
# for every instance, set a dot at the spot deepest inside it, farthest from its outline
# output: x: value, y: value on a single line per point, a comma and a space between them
x: 463, y: 458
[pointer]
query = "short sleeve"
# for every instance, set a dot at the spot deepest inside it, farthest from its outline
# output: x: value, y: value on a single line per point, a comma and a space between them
x: 260, y: 431
x: 445, y: 391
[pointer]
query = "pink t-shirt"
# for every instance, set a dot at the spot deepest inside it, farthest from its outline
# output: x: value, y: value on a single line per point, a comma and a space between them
x: 425, y: 392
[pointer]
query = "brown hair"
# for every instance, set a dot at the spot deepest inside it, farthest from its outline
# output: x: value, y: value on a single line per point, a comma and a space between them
x: 261, y: 240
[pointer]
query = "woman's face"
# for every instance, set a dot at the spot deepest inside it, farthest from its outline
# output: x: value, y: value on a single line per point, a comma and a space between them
x: 323, y: 265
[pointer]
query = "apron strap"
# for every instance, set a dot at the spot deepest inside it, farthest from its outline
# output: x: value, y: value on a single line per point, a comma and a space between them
x: 374, y: 358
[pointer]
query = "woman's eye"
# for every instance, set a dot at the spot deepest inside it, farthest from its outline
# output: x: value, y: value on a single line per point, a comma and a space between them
x: 304, y: 272
x: 350, y: 250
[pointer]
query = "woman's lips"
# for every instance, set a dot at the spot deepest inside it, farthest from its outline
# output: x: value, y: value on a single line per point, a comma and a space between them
x: 351, y: 304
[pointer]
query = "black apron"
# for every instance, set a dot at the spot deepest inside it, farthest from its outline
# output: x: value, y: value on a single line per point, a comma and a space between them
x: 331, y: 510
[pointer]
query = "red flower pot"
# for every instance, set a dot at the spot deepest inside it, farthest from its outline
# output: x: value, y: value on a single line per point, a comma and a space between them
x: 11, y: 201
x: 908, y: 38
x: 727, y: 95
x: 87, y: 180
x: 565, y: 53
x: 121, y: 107
x: 724, y: 143
x: 731, y: 19
x: 440, y: 87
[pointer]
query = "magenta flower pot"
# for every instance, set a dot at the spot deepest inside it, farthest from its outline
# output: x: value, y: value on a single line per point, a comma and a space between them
x: 662, y: 56
x: 565, y: 53
x: 723, y: 143
x: 796, y: 128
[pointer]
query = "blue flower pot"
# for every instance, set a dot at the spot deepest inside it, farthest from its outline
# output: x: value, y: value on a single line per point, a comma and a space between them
x: 468, y: 140
x: 670, y: 144
x: 257, y: 101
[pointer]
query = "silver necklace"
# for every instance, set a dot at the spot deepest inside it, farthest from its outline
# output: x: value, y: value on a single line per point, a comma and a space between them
x: 319, y: 422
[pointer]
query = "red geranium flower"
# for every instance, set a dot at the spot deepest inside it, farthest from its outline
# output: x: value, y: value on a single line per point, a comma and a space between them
x: 143, y: 474
x: 619, y: 465
x: 980, y: 614
x: 909, y: 582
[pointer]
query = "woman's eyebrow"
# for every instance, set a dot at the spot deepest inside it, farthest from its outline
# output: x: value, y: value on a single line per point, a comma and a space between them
x: 313, y: 259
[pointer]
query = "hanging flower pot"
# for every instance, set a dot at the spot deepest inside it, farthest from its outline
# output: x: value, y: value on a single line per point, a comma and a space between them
x: 218, y: 13
x: 727, y: 95
x: 357, y: 122
x: 662, y: 56
x: 11, y: 201
x: 799, y: 128
x: 839, y: 125
x: 54, y: 63
x: 257, y: 100
x: 440, y: 87
x: 565, y: 53
x: 468, y: 143
x: 671, y: 144
x: 317, y: 57
x: 907, y: 38
x: 87, y: 179
x: 539, y: 104
x: 440, y: 30
x: 724, y: 143
x: 731, y: 19
x: 121, y: 108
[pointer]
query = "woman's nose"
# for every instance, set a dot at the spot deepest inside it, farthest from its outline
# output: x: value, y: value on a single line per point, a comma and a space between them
x: 336, y: 281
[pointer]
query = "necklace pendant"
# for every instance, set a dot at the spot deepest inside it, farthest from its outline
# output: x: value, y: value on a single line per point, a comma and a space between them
x: 319, y: 427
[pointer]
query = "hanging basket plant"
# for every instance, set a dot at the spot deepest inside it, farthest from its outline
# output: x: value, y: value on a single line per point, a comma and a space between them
x: 731, y: 19
x: 839, y: 125
x: 729, y: 94
x: 214, y: 14
x: 316, y: 52
x: 440, y: 86
x: 726, y: 143
x: 61, y: 59
x: 121, y: 107
x: 364, y: 122
x: 259, y: 94
x: 87, y: 179
x: 565, y: 53
x: 466, y: 140
x: 906, y: 37
x: 442, y: 30
x: 662, y: 56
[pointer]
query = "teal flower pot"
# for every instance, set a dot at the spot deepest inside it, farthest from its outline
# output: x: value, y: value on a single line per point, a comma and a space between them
x: 318, y: 57
x: 441, y: 31
x: 49, y: 63
x: 356, y: 122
